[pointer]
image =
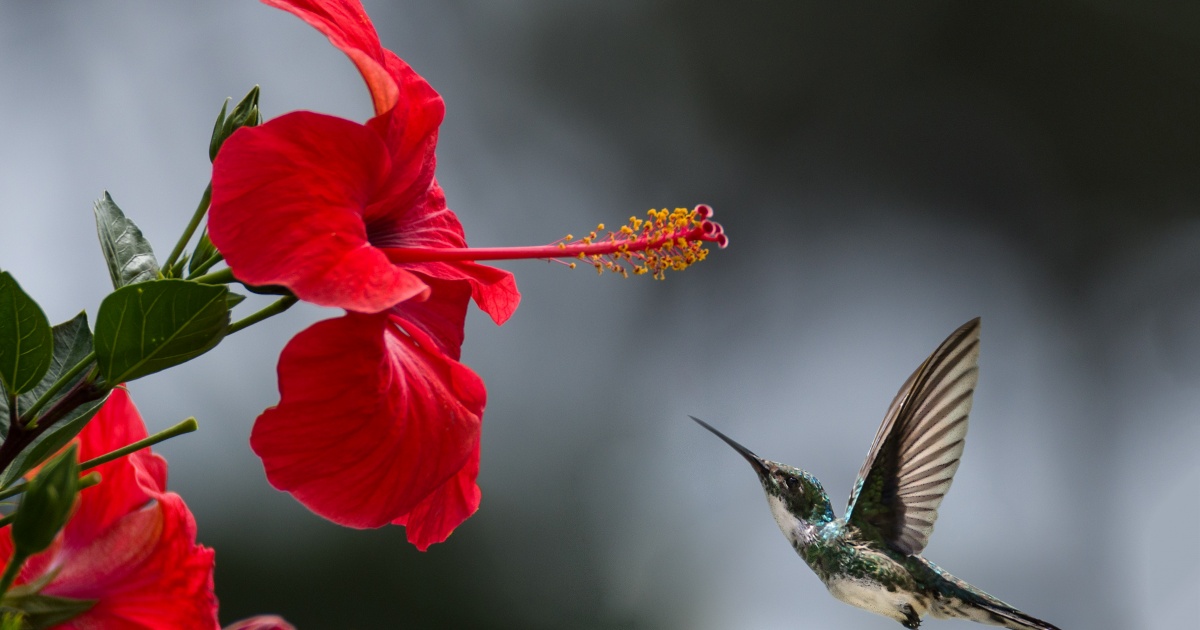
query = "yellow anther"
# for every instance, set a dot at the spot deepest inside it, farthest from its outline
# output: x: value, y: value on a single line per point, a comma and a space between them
x: 666, y: 239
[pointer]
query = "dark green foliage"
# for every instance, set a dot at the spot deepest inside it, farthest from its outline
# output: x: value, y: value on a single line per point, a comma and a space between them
x: 26, y: 341
x: 151, y: 326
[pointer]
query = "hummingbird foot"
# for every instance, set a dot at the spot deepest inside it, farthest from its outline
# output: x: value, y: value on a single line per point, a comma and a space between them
x: 911, y: 618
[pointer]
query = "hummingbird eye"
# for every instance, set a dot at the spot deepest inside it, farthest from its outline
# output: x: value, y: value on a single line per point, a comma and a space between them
x: 792, y: 482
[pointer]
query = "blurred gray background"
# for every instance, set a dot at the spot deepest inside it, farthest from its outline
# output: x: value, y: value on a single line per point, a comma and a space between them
x: 884, y: 173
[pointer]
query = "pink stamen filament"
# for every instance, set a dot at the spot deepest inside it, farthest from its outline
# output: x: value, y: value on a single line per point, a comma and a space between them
x: 707, y: 231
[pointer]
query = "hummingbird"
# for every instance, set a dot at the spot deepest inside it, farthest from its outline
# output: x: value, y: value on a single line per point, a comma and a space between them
x: 871, y: 557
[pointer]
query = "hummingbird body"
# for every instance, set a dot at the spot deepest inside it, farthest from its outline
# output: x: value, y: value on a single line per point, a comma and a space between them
x: 871, y: 557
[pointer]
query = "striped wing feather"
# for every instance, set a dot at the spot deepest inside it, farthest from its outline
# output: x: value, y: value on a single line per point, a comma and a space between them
x: 918, y: 446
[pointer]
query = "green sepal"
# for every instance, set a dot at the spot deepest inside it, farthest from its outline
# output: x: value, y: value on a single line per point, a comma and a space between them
x: 151, y: 326
x: 26, y: 342
x: 204, y: 251
x: 176, y: 270
x: 218, y: 132
x: 128, y: 254
x: 51, y: 441
x: 11, y: 620
x: 233, y: 299
x: 46, y: 504
x: 244, y: 114
x: 34, y: 610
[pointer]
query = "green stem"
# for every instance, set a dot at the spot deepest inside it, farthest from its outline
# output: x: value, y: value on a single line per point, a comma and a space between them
x: 208, y: 264
x: 10, y: 572
x: 13, y: 490
x: 187, y: 426
x: 224, y: 276
x: 273, y: 309
x: 13, y: 412
x: 62, y: 381
x: 190, y: 230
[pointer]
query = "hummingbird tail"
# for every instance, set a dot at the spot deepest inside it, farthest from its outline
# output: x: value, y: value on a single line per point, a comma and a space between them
x: 959, y: 600
x: 980, y: 607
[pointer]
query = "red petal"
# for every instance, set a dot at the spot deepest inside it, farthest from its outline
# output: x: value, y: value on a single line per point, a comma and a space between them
x: 370, y: 421
x: 436, y: 517
x: 347, y: 26
x: 146, y: 572
x: 424, y: 221
x: 430, y: 223
x: 410, y: 130
x: 442, y: 316
x: 287, y: 208
x: 127, y: 483
x: 408, y: 111
x: 494, y: 290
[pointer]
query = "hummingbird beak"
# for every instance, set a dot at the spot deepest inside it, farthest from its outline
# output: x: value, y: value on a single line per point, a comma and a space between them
x: 755, y: 460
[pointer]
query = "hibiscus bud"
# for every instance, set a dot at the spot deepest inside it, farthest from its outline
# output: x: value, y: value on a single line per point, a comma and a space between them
x: 244, y: 114
x: 46, y: 504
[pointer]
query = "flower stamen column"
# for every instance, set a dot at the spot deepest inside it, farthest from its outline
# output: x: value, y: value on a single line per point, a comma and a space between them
x: 663, y: 241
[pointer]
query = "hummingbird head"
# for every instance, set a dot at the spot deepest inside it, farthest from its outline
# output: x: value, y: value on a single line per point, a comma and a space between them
x: 797, y: 499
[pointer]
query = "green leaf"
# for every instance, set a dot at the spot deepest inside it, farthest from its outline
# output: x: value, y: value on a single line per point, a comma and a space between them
x: 151, y: 326
x: 26, y: 343
x: 72, y: 342
x: 50, y: 442
x: 127, y: 252
x: 46, y: 504
x: 44, y: 611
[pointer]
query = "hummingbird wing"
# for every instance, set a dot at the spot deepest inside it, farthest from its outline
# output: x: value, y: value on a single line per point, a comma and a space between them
x: 917, y: 448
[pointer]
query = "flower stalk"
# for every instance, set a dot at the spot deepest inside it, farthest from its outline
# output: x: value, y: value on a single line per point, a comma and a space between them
x: 190, y: 230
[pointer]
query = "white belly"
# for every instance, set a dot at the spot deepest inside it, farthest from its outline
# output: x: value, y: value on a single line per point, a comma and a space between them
x: 872, y: 596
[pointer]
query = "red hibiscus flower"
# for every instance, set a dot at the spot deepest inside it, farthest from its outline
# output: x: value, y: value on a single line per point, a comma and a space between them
x: 377, y: 421
x: 130, y: 545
